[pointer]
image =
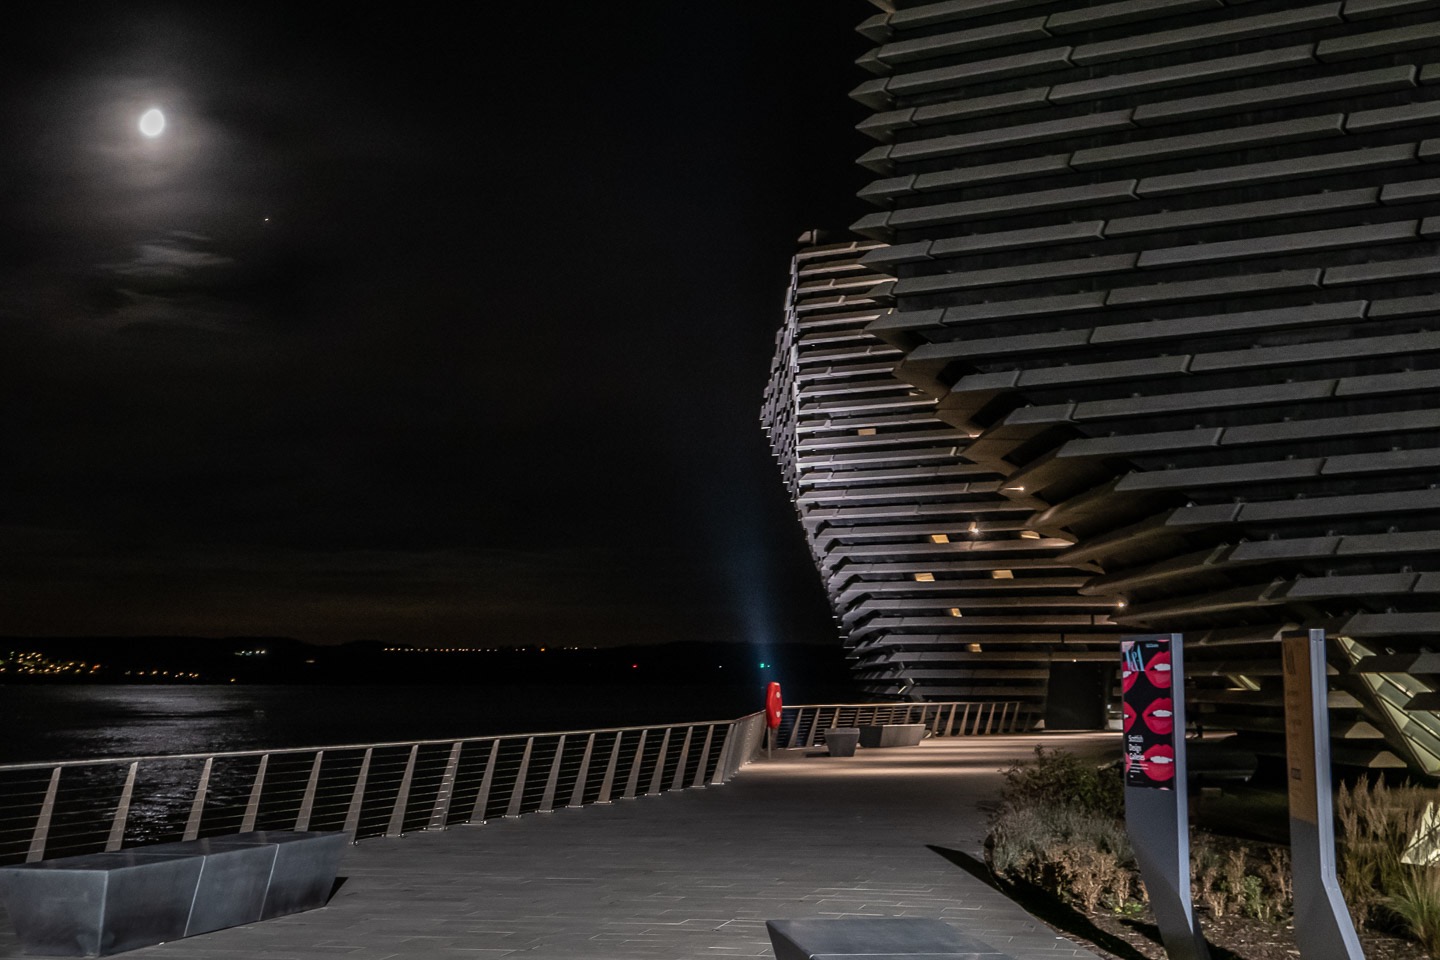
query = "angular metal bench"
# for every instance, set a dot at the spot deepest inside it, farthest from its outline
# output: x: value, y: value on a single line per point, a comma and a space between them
x: 106, y: 903
x: 875, y: 938
x: 892, y: 735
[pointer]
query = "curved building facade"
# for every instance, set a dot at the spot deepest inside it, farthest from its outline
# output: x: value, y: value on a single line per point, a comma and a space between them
x: 939, y: 585
x: 1169, y: 268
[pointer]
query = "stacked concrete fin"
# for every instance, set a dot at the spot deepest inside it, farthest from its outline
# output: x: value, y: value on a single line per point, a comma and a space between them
x: 1172, y: 265
x: 939, y: 586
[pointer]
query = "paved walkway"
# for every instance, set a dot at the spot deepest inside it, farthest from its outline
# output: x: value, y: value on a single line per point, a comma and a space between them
x: 686, y: 875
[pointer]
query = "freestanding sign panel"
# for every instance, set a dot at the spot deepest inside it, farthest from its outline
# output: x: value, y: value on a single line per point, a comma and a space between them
x: 1323, y: 929
x: 1148, y: 705
x: 1152, y: 680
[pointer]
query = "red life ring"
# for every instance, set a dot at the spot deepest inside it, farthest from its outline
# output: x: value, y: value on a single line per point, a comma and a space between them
x: 772, y: 705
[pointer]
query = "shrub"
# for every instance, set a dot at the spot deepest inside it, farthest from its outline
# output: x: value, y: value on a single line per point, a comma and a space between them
x: 1057, y: 778
x: 1416, y: 901
x: 1059, y: 828
x: 1236, y: 878
x: 1376, y: 823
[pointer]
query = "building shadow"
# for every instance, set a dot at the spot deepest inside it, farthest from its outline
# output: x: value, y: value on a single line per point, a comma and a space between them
x: 1044, y: 907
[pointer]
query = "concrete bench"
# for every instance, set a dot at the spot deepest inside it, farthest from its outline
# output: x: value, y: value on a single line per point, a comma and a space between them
x: 106, y: 903
x: 892, y: 735
x: 841, y: 741
x: 875, y: 938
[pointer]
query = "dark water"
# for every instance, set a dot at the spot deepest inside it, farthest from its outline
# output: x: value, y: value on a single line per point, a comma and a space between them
x: 40, y: 723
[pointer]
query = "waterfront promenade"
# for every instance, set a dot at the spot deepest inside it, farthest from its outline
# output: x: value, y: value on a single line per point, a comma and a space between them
x: 690, y: 874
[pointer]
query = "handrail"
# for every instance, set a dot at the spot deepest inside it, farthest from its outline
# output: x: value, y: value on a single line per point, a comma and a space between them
x: 802, y: 725
x: 367, y: 789
x: 50, y: 764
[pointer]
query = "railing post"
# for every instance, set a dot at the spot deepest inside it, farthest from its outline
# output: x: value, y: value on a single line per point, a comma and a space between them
x: 950, y: 721
x: 679, y: 780
x: 990, y: 718
x: 1004, y: 715
x: 633, y: 781
x: 197, y: 806
x: 252, y: 808
x: 307, y: 803
x: 122, y: 810
x: 655, y: 777
x: 795, y: 729
x: 744, y: 747
x: 402, y: 796
x: 547, y: 799
x: 42, y: 822
x: 577, y: 796
x: 965, y: 720
x: 440, y: 813
x: 608, y: 782
x: 704, y: 757
x: 517, y: 792
x: 723, y: 760
x: 357, y: 796
x: 482, y: 799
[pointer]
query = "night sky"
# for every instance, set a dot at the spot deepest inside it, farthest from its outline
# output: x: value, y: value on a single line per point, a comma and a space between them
x: 492, y: 367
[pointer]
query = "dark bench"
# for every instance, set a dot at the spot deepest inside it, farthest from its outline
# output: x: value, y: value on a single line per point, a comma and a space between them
x: 106, y: 903
x: 841, y: 741
x: 875, y: 938
x: 892, y: 735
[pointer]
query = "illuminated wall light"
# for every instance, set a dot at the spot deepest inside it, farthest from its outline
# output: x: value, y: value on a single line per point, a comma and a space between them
x: 1121, y: 604
x: 955, y: 612
x: 925, y: 577
x: 1029, y: 535
x: 1002, y: 575
x: 974, y: 648
x: 865, y: 432
x: 939, y: 538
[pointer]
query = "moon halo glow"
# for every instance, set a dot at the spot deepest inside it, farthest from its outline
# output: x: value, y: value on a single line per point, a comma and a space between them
x: 152, y: 122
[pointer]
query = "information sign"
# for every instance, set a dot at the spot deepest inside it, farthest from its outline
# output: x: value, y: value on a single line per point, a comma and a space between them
x: 1152, y: 698
x: 1323, y: 928
x: 1148, y: 710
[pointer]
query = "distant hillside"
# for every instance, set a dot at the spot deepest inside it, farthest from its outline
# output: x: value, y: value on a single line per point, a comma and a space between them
x: 820, y: 669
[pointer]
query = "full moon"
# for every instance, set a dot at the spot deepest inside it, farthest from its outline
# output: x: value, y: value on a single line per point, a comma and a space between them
x: 152, y: 122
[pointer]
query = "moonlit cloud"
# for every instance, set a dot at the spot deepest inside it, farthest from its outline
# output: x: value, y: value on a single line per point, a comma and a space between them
x: 178, y: 255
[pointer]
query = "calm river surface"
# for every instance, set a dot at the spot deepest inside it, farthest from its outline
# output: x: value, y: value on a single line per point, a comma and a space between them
x: 79, y: 722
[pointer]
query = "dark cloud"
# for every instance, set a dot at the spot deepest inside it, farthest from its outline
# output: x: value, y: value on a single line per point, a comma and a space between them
x: 179, y: 259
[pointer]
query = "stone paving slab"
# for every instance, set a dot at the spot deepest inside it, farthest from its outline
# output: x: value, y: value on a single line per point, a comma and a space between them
x: 683, y: 876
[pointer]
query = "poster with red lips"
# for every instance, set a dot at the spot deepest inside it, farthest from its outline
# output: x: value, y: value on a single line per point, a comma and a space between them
x: 1148, y: 712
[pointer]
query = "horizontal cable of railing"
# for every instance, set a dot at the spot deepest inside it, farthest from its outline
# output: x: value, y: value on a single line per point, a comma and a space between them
x: 804, y: 725
x: 376, y: 789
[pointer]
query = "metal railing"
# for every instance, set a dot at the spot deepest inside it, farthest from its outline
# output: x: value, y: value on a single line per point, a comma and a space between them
x: 803, y: 726
x: 375, y: 789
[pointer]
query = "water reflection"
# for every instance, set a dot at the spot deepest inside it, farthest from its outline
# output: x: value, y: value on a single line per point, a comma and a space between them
x: 81, y: 722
